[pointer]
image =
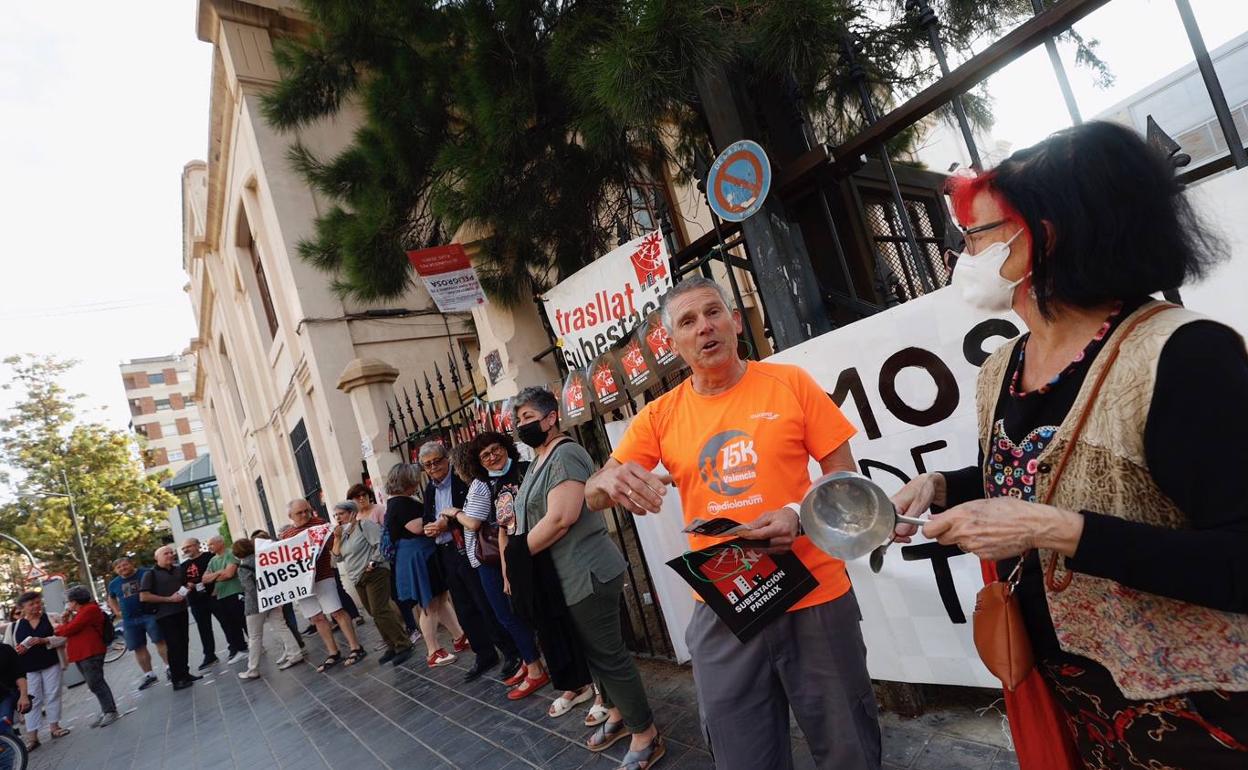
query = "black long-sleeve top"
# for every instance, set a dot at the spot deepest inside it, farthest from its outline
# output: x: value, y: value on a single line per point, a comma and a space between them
x: 1196, y: 446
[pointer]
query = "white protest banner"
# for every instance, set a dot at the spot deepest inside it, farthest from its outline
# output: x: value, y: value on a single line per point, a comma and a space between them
x: 449, y: 276
x: 285, y: 568
x: 598, y: 305
x: 906, y: 377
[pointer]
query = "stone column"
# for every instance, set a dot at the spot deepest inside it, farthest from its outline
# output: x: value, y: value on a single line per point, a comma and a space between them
x: 369, y: 383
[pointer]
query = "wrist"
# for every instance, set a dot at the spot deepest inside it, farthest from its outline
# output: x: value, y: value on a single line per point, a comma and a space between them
x: 940, y: 490
x: 1059, y: 530
x: 797, y: 514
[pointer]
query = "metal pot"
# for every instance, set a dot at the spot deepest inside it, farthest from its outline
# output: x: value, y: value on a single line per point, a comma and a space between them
x: 847, y: 515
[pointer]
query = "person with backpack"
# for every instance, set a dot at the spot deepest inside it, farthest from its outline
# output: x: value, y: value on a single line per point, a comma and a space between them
x: 444, y: 497
x: 36, y: 645
x: 87, y: 634
x: 137, y: 625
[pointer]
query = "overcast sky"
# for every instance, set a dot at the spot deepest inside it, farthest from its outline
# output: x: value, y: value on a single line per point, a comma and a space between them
x: 101, y: 104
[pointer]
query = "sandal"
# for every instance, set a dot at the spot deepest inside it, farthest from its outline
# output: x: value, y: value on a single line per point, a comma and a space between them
x: 33, y: 745
x: 329, y: 663
x: 606, y: 736
x: 646, y: 758
x: 562, y: 705
x: 597, y: 715
x: 358, y: 654
x: 61, y: 732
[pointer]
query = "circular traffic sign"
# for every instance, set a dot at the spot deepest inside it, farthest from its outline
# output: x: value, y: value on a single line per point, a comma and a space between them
x: 739, y: 181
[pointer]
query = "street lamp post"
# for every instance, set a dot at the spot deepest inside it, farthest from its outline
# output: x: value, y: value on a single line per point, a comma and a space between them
x: 73, y: 517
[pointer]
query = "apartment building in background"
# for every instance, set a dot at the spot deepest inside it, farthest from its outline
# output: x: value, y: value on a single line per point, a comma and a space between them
x: 163, y: 413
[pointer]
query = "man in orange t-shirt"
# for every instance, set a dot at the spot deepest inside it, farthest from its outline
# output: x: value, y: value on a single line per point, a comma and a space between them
x: 737, y: 438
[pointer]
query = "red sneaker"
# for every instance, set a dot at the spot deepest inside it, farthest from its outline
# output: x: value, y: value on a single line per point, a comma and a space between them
x: 440, y: 658
x: 461, y: 643
x: 517, y: 677
x: 528, y: 687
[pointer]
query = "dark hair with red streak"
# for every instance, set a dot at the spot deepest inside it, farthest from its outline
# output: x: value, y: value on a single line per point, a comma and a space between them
x: 1105, y: 214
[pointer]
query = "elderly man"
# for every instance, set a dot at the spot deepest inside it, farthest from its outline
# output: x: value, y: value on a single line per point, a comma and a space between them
x: 755, y: 425
x: 447, y: 492
x: 138, y: 626
x: 324, y: 601
x: 200, y: 599
x: 227, y: 597
x: 165, y: 587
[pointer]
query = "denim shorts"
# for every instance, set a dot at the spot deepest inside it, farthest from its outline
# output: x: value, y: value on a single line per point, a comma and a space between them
x: 139, y: 630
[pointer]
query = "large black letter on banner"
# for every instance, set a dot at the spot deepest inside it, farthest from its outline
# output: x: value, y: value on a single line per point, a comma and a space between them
x: 973, y: 342
x: 946, y: 386
x: 940, y: 556
x: 849, y: 383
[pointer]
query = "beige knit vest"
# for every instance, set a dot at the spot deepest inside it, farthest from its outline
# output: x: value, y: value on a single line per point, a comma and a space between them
x: 1153, y: 646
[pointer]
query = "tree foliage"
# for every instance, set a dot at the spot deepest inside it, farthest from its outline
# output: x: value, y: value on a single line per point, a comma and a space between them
x: 121, y: 510
x: 529, y: 119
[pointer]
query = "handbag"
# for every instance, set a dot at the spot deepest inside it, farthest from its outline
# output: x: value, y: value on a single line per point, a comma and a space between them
x: 487, y: 544
x: 997, y: 624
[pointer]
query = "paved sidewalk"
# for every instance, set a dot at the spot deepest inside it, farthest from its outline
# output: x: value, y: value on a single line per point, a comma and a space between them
x: 372, y: 716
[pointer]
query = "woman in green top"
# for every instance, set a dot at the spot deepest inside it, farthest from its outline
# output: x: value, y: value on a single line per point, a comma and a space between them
x: 551, y: 515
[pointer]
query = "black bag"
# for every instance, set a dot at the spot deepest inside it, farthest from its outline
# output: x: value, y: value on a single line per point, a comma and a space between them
x: 108, y: 631
x: 487, y: 550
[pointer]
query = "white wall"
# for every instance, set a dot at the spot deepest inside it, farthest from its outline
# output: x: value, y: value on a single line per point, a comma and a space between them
x: 1223, y: 201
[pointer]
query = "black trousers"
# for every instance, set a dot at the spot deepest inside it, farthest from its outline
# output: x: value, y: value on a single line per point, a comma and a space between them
x: 177, y: 632
x: 482, y: 628
x: 202, y: 610
x: 229, y: 613
x: 288, y: 614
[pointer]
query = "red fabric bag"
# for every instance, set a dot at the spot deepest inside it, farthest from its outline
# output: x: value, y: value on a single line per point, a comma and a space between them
x: 1041, y: 739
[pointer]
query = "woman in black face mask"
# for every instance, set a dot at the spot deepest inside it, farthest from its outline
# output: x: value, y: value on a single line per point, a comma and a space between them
x: 554, y: 524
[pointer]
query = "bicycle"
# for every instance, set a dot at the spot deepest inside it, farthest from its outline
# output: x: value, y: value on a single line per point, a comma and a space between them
x: 117, y: 649
x: 13, y: 755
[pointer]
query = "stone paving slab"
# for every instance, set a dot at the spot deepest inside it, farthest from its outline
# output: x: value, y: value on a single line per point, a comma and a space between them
x: 371, y: 716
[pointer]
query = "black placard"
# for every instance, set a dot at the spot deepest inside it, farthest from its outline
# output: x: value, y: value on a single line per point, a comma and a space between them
x: 745, y: 587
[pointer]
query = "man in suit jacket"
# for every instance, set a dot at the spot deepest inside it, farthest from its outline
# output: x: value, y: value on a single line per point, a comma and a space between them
x: 486, y: 635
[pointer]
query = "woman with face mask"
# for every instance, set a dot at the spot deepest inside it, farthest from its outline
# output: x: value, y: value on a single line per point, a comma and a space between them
x: 554, y: 522
x: 1101, y: 492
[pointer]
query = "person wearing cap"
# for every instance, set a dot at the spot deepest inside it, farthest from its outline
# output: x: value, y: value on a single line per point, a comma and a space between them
x: 737, y: 437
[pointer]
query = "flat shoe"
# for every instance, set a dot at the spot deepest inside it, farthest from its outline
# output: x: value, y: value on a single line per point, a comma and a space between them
x: 528, y: 687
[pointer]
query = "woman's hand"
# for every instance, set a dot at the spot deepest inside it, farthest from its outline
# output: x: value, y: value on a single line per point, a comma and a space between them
x: 506, y: 585
x: 915, y: 499
x: 1004, y: 527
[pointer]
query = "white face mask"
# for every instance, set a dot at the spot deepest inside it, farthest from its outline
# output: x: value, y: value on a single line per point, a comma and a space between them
x: 978, y: 277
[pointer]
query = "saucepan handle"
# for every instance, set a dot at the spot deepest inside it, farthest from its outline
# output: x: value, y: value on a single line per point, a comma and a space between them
x: 910, y: 520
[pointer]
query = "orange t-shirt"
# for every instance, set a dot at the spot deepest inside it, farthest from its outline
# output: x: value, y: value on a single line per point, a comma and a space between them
x: 743, y: 452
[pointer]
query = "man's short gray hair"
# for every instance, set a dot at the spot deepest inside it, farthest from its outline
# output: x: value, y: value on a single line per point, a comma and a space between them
x: 537, y: 397
x: 403, y: 479
x: 432, y: 449
x: 684, y: 287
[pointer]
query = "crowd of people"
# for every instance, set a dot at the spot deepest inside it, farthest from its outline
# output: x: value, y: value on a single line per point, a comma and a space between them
x: 1136, y: 665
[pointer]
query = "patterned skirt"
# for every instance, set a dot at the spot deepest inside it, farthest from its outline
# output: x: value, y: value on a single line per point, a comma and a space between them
x: 1196, y: 731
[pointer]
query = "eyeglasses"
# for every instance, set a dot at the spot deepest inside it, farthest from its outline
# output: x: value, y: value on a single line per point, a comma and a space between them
x: 433, y: 463
x: 492, y: 451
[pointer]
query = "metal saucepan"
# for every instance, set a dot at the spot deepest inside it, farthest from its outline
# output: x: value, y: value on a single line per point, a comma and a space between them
x: 847, y: 515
